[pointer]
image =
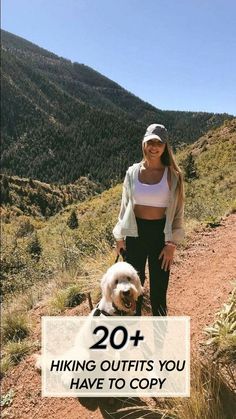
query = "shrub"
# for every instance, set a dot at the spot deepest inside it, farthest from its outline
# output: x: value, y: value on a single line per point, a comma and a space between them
x: 34, y: 248
x: 189, y: 168
x: 16, y: 351
x: 72, y: 221
x: 14, y: 326
x: 222, y: 334
x: 211, y: 398
x: 67, y: 298
x: 6, y: 399
x: 5, y: 365
x: 25, y: 228
x: 74, y: 297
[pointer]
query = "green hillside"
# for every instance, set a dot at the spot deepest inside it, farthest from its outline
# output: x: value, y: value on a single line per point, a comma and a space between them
x: 23, y: 196
x: 63, y: 120
x: 210, y: 191
x: 210, y: 174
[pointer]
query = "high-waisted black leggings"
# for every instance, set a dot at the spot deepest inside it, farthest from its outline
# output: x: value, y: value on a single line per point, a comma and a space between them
x: 148, y: 246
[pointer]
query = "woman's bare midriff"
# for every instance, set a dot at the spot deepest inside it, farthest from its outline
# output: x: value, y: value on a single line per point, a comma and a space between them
x: 149, y: 213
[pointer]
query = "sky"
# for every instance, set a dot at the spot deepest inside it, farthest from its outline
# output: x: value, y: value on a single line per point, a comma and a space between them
x: 174, y: 54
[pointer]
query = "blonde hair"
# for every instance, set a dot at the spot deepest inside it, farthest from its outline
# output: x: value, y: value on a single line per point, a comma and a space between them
x: 168, y: 159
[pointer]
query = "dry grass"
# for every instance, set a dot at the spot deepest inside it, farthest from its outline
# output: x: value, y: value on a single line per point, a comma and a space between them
x: 211, y: 398
x: 15, y: 325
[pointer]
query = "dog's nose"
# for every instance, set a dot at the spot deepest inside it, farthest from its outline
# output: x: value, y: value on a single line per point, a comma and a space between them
x: 125, y: 293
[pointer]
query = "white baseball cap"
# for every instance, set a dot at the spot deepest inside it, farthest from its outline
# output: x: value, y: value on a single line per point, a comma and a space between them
x: 156, y: 131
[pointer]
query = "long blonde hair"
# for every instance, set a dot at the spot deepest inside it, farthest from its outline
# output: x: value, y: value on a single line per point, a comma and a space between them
x: 168, y: 159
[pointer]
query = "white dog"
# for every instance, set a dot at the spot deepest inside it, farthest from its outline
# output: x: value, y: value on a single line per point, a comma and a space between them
x: 121, y: 288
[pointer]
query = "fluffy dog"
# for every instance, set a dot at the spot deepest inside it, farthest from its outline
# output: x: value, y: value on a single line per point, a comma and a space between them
x: 121, y: 288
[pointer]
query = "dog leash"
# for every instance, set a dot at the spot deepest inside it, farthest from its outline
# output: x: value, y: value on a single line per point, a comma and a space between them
x: 122, y: 254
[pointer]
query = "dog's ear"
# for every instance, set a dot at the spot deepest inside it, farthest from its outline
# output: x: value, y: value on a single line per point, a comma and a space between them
x: 105, y: 285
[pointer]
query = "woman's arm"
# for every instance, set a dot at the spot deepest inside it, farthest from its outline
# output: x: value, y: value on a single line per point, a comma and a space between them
x: 124, y: 202
x: 167, y: 253
x: 178, y: 222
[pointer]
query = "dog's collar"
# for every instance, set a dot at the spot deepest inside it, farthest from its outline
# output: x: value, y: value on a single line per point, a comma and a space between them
x: 117, y: 312
x: 98, y: 312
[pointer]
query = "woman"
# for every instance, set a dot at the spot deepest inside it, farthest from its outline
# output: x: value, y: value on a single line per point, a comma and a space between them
x: 150, y: 222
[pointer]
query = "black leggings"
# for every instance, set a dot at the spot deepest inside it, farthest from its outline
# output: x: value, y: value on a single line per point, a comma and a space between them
x: 148, y: 245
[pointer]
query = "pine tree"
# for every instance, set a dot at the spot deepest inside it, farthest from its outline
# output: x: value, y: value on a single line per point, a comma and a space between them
x: 190, y: 168
x: 72, y: 221
x: 34, y: 248
x: 5, y: 193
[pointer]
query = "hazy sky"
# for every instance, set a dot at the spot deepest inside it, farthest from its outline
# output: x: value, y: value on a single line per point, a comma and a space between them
x: 175, y: 54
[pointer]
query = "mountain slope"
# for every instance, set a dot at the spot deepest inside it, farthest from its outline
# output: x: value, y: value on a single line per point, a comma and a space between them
x: 62, y: 120
x: 209, y: 172
x: 209, y: 167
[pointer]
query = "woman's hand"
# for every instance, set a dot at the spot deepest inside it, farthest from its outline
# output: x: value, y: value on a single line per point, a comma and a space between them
x: 167, y: 255
x: 120, y: 245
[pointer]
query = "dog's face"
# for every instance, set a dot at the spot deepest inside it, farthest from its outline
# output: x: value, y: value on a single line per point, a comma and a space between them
x: 121, y: 286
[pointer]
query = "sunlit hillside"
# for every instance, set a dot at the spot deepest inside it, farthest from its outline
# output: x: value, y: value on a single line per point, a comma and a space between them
x: 62, y: 120
x: 51, y: 262
x: 24, y: 196
x: 210, y: 175
x: 209, y: 184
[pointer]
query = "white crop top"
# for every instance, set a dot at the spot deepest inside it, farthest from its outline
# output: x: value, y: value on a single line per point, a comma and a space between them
x: 156, y: 195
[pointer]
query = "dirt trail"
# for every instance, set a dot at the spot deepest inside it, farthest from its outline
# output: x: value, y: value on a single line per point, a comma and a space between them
x: 202, y: 280
x: 200, y: 283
